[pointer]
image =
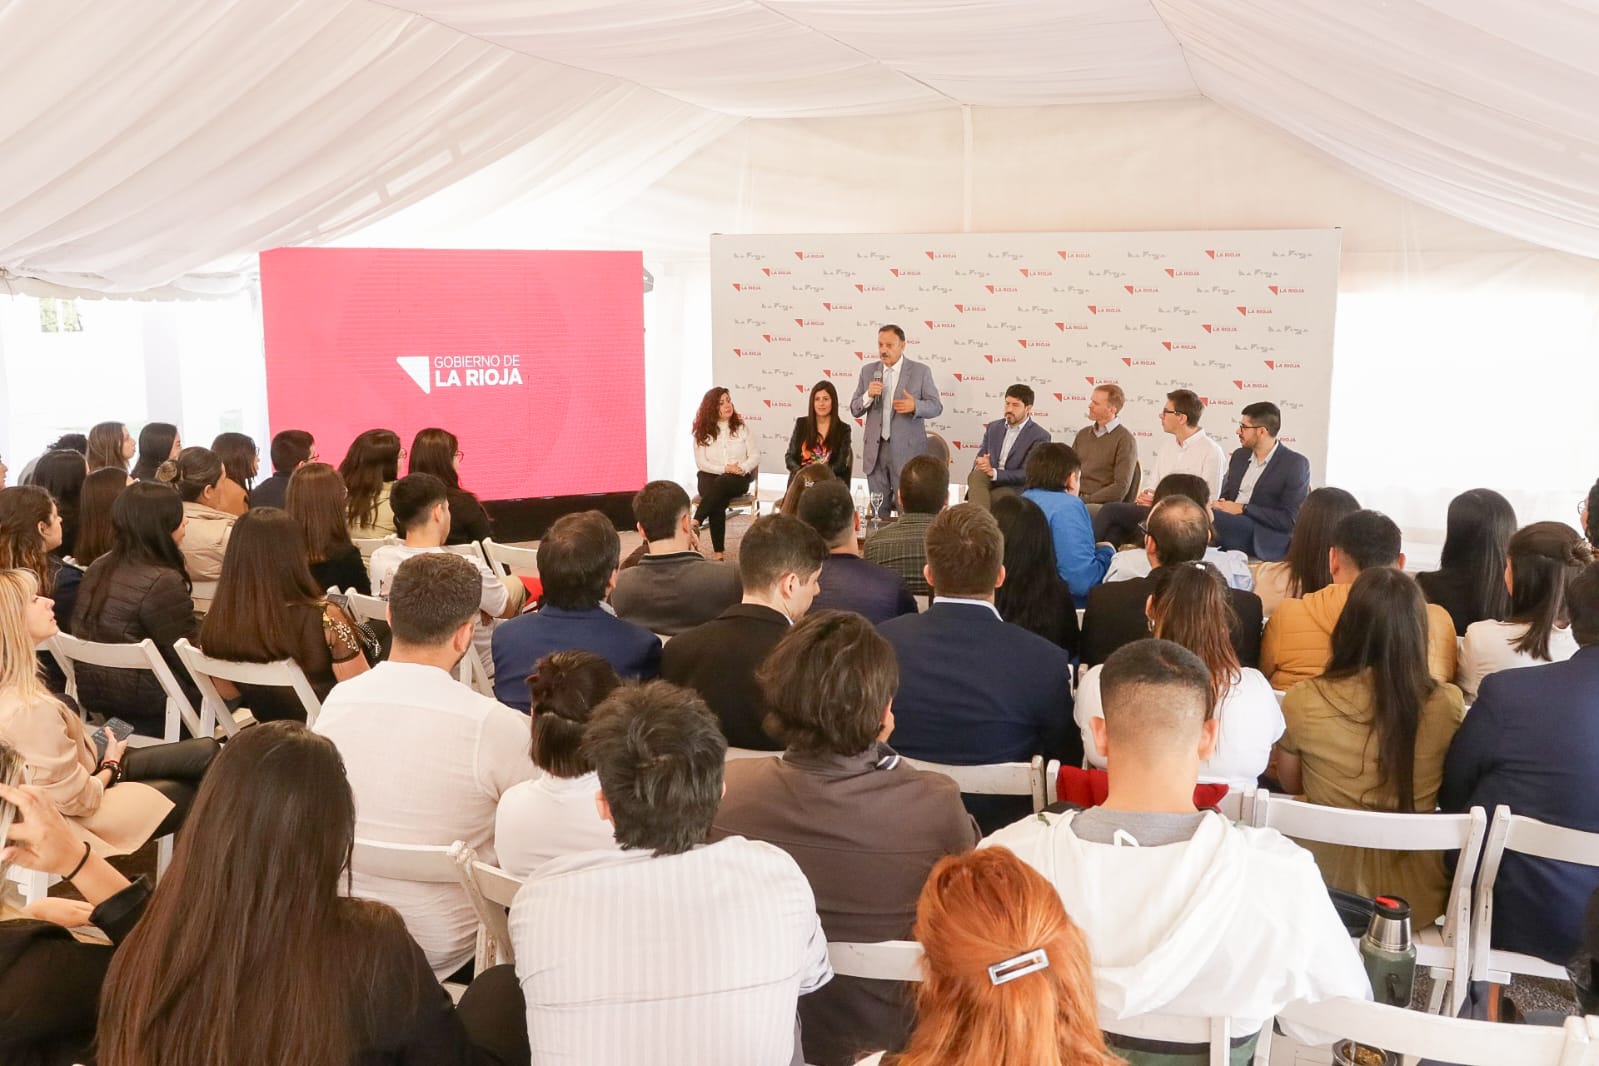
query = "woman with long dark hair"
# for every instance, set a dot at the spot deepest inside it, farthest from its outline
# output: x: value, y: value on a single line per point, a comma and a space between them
x: 62, y: 473
x: 99, y: 495
x: 1033, y: 596
x: 30, y: 531
x: 268, y: 607
x: 1371, y: 734
x: 109, y: 444
x: 438, y: 452
x: 316, y: 500
x: 1470, y: 580
x: 158, y: 442
x: 241, y: 461
x: 727, y: 457
x: 370, y: 468
x: 983, y: 915
x: 820, y: 435
x: 201, y: 481
x: 1544, y: 558
x: 1305, y: 569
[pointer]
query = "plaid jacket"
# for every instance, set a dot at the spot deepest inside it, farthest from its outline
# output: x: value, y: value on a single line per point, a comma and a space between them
x: 902, y: 547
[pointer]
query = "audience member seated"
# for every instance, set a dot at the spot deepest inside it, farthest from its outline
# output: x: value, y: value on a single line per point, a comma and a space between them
x: 1001, y: 466
x: 1530, y: 743
x: 62, y: 474
x: 241, y: 461
x: 727, y: 456
x: 1265, y: 486
x: 554, y: 813
x: 438, y: 452
x: 673, y: 587
x: 1188, y: 606
x: 1589, y: 516
x: 197, y: 474
x: 1190, y: 451
x: 289, y: 451
x: 1233, y: 565
x: 135, y: 590
x: 1470, y: 580
x: 1052, y: 478
x: 369, y: 469
x: 156, y: 783
x: 249, y: 928
x: 67, y: 442
x: 1033, y: 596
x: 95, y: 531
x: 1544, y: 559
x: 820, y: 435
x: 577, y: 561
x: 109, y: 444
x: 1007, y: 977
x: 158, y: 443
x: 779, y: 563
x: 268, y: 607
x: 973, y: 688
x: 1185, y: 913
x: 901, y: 545
x: 1305, y: 568
x: 1297, y: 640
x: 848, y: 582
x: 30, y: 536
x: 1107, y: 450
x: 861, y: 823
x: 1370, y: 734
x: 427, y: 757
x: 670, y: 949
x: 803, y: 479
x: 316, y: 500
x: 1175, y: 534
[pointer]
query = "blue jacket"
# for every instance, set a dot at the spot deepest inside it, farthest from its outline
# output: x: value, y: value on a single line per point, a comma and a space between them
x: 1014, y: 472
x: 1080, y: 562
x: 1273, y: 507
x: 632, y: 650
x: 850, y: 583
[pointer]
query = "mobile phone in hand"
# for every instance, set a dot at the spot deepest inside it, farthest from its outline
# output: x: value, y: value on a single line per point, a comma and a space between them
x: 115, y: 727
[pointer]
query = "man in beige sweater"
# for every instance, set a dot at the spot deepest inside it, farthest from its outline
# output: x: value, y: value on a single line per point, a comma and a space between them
x: 1107, y: 449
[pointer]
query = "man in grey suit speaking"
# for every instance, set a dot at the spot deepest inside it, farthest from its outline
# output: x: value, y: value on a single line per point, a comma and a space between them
x: 907, y: 390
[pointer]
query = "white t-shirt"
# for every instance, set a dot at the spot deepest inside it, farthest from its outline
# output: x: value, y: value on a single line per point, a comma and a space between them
x: 1251, y: 721
x: 1489, y: 646
x: 547, y: 817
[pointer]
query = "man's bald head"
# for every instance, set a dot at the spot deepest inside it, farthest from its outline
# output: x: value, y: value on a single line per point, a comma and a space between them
x: 1180, y: 529
x: 1156, y: 698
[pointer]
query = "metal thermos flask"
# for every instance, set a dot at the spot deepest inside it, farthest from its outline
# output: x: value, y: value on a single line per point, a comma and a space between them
x: 1388, y: 952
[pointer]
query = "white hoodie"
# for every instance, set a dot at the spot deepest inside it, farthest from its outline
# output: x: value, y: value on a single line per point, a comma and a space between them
x: 1234, y: 922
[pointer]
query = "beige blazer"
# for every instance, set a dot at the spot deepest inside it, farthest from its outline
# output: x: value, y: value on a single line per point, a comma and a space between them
x: 61, y: 761
x: 205, y: 542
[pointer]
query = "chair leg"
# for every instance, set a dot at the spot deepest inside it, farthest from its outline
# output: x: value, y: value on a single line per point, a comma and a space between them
x: 163, y: 856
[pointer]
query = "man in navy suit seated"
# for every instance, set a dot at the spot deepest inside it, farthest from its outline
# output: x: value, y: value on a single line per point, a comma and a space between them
x: 974, y: 689
x: 1001, y: 466
x: 1265, y: 485
x: 577, y: 560
x: 850, y: 583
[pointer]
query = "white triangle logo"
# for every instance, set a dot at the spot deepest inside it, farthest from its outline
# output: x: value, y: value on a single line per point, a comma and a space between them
x: 416, y: 366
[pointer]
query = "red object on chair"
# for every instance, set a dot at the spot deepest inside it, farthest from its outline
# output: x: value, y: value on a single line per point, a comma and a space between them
x: 1088, y: 788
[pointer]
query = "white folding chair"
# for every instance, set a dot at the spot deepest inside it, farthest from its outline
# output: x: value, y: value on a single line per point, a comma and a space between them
x: 491, y: 891
x: 367, y: 545
x: 1213, y: 1033
x: 995, y: 779
x: 69, y: 650
x: 751, y: 753
x: 426, y: 863
x: 506, y: 559
x: 472, y: 551
x: 1520, y: 835
x: 471, y: 672
x: 1447, y: 951
x: 1462, y: 1041
x: 887, y: 960
x: 367, y: 608
x: 285, y: 673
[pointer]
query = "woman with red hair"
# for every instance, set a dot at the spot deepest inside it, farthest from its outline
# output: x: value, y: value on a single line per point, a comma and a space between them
x: 727, y: 457
x: 1006, y: 974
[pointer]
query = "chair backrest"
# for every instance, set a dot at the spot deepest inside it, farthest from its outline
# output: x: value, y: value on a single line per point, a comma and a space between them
x: 367, y: 608
x: 429, y: 863
x: 68, y: 650
x: 888, y: 960
x: 1523, y: 836
x: 995, y: 779
x: 491, y: 890
x: 1447, y: 1039
x: 1135, y: 484
x: 938, y: 447
x: 472, y: 551
x: 1215, y: 1034
x: 285, y: 673
x: 367, y: 545
x: 506, y: 559
x: 471, y: 672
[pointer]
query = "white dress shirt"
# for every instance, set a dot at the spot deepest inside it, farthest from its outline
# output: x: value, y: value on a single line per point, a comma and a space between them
x: 1100, y: 431
x: 1488, y: 646
x: 728, y: 446
x: 1234, y: 566
x: 626, y: 957
x: 428, y: 759
x: 546, y: 818
x: 1011, y: 433
x: 1197, y: 455
x: 1252, y: 471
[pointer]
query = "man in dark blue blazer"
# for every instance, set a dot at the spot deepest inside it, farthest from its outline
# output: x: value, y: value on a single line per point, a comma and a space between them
x: 850, y: 583
x: 1265, y: 486
x: 1001, y: 466
x: 974, y: 689
x: 1531, y: 742
x: 577, y: 562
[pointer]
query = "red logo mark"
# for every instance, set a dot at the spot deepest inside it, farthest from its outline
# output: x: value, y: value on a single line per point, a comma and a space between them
x: 799, y: 388
x: 860, y: 288
x: 799, y: 322
x: 827, y: 373
x: 1270, y: 364
x: 736, y: 285
x: 860, y: 355
x: 1022, y: 343
x: 767, y: 402
x: 990, y: 358
x: 1089, y: 380
x: 1061, y: 326
x: 738, y: 352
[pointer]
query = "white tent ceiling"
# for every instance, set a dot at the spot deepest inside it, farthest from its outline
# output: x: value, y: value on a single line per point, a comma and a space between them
x: 144, y: 143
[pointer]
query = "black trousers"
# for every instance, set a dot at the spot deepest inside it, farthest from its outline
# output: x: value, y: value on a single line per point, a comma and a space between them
x: 1117, y: 523
x: 494, y: 1015
x: 174, y: 770
x: 715, y: 492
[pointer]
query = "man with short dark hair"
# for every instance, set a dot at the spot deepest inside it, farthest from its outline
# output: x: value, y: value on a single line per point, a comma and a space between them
x: 1107, y: 449
x: 673, y: 587
x: 577, y: 562
x: 848, y: 582
x: 1135, y: 562
x: 1266, y: 484
x: 974, y: 688
x: 1185, y: 913
x: 1001, y: 462
x: 290, y: 450
x: 1298, y: 637
x: 896, y: 396
x: 427, y: 757
x: 779, y: 562
x: 1177, y: 532
x: 901, y: 545
x: 1190, y: 451
x: 671, y: 949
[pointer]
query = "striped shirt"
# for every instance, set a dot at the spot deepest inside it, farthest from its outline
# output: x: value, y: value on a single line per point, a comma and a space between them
x: 625, y: 957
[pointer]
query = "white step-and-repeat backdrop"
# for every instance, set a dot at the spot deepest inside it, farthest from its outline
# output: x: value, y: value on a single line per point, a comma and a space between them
x: 1236, y: 316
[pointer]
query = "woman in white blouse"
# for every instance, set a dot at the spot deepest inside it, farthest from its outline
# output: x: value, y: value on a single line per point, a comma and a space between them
x: 1543, y: 559
x: 1189, y: 606
x: 554, y: 814
x: 727, y: 458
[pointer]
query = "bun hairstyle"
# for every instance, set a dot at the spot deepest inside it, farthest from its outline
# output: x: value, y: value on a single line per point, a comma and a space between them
x: 191, y: 473
x: 566, y: 686
x: 1545, y: 557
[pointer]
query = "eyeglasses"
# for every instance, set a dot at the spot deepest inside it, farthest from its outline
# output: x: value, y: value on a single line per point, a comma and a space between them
x: 1246, y: 425
x: 1164, y: 411
x: 460, y: 455
x: 1143, y: 530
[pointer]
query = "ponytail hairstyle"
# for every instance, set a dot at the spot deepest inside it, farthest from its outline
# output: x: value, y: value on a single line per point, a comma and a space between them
x: 105, y: 446
x: 372, y: 462
x: 1190, y: 606
x: 566, y: 687
x: 1545, y: 558
x: 23, y: 508
x: 191, y: 473
x: 987, y: 907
